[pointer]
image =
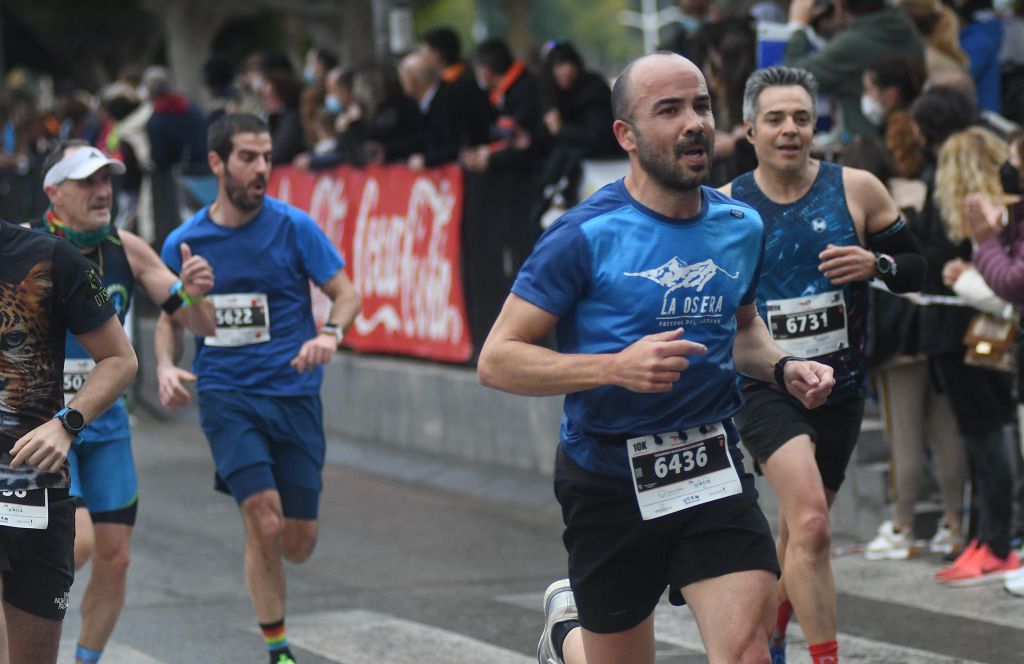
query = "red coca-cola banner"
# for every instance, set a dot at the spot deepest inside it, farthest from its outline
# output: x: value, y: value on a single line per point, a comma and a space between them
x: 399, y: 232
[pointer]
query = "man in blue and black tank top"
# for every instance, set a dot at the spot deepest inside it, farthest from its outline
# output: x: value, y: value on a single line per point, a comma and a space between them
x: 651, y: 285
x: 818, y: 219
x: 77, y: 181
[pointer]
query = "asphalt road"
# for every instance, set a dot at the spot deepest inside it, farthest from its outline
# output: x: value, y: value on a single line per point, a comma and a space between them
x: 428, y: 562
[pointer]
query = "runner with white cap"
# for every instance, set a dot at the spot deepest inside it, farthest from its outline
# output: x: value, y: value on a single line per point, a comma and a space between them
x: 78, y: 183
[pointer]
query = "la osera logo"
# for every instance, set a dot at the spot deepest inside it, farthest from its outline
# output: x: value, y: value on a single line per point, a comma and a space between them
x: 677, y: 274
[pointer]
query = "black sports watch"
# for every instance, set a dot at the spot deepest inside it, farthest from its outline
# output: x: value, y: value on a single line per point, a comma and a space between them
x: 780, y: 369
x: 885, y: 264
x: 72, y: 420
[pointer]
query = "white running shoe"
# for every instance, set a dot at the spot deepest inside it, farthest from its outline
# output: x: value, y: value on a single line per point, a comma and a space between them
x: 559, y: 606
x: 946, y: 540
x: 1013, y: 582
x: 890, y: 544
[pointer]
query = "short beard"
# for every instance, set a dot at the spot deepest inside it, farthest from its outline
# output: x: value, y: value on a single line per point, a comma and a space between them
x: 238, y: 194
x: 669, y: 173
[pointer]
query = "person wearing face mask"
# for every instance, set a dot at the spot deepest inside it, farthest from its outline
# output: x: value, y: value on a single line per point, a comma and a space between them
x: 875, y: 33
x: 319, y: 62
x: 889, y: 86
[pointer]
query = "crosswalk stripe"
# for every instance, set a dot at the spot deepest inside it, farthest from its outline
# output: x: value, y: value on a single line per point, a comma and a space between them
x: 368, y: 637
x: 913, y: 587
x: 677, y: 627
x: 114, y: 653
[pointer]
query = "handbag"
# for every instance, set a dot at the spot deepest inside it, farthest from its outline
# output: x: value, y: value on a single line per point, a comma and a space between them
x: 991, y: 343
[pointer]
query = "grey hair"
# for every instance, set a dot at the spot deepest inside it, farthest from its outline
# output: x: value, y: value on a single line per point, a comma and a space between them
x: 771, y: 77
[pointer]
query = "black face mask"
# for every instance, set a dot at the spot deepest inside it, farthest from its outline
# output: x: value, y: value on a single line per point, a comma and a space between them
x: 1010, y: 178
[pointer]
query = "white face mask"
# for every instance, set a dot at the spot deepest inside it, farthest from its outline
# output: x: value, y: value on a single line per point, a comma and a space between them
x: 872, y: 110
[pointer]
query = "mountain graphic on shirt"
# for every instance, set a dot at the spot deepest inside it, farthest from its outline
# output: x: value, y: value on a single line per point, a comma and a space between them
x: 677, y: 274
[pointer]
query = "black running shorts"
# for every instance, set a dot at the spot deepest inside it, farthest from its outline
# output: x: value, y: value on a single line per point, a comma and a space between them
x: 770, y: 419
x: 619, y: 564
x: 38, y: 566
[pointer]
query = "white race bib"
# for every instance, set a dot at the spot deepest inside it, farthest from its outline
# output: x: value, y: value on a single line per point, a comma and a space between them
x: 25, y: 508
x: 809, y: 326
x: 242, y: 319
x: 677, y: 470
x: 75, y: 373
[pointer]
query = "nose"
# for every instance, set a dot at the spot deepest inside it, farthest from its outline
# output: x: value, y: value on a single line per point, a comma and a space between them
x: 694, y: 122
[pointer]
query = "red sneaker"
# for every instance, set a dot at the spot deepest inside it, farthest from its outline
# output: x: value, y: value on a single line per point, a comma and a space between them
x: 984, y: 567
x: 965, y: 556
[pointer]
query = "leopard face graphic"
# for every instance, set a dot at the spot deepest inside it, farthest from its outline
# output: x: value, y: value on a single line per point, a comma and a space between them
x: 26, y: 362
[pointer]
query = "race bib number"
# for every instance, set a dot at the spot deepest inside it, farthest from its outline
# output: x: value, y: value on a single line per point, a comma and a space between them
x: 810, y: 326
x: 23, y: 508
x: 242, y: 319
x: 677, y: 470
x: 75, y: 373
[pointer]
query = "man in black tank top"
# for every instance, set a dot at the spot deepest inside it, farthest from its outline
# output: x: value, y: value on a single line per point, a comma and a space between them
x: 77, y: 181
x: 829, y: 230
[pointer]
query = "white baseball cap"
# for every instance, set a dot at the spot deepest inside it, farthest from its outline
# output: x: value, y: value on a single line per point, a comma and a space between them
x: 80, y: 164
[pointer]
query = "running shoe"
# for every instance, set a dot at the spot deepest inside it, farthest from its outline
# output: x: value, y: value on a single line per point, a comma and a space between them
x: 961, y: 560
x: 984, y: 567
x: 777, y: 650
x: 559, y: 606
x: 281, y: 657
x: 890, y: 544
x: 946, y: 540
x: 1013, y: 582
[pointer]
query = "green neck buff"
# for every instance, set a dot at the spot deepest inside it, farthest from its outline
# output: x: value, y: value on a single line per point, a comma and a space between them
x: 81, y: 239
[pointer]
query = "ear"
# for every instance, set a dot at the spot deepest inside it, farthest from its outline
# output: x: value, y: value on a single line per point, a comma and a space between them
x: 625, y: 135
x: 216, y: 163
x: 749, y: 130
x: 53, y: 193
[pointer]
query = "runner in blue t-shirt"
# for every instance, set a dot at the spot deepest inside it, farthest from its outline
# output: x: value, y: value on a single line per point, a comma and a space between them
x: 259, y: 376
x: 820, y: 218
x: 651, y: 285
x: 103, y: 481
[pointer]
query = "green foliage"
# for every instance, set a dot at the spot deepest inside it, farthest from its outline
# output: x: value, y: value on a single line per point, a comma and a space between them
x: 593, y: 27
x: 456, y: 14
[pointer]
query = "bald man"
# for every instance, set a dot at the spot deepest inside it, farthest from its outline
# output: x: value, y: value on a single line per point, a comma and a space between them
x: 439, y: 137
x: 651, y: 284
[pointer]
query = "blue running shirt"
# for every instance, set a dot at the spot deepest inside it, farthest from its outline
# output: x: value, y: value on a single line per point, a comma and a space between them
x: 614, y: 271
x: 276, y: 254
x: 794, y: 236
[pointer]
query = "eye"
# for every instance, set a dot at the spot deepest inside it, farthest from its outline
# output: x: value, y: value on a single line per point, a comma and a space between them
x: 12, y: 340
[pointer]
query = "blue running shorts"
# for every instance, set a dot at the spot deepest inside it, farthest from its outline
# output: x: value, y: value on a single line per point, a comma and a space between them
x: 103, y: 477
x: 264, y: 442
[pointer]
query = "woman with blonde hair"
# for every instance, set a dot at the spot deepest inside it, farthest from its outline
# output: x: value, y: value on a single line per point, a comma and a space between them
x: 969, y: 162
x: 940, y: 27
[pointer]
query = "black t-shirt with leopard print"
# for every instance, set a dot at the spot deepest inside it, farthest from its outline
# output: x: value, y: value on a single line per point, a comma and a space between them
x: 46, y: 290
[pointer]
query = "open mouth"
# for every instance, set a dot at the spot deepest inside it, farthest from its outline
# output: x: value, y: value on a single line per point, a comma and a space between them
x: 791, y: 149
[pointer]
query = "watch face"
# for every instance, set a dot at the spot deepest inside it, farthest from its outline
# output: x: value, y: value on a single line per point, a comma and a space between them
x: 74, y: 420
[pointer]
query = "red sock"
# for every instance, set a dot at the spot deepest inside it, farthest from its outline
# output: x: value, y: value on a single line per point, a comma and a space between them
x: 824, y: 653
x: 782, y: 615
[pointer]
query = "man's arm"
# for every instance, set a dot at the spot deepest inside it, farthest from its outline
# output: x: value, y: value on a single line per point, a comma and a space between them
x: 156, y: 279
x: 168, y: 345
x: 881, y: 228
x: 345, y: 306
x: 756, y: 355
x: 46, y: 446
x: 512, y: 361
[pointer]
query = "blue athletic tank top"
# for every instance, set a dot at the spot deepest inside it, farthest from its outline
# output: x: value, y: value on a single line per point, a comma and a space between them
x: 112, y: 265
x: 804, y: 310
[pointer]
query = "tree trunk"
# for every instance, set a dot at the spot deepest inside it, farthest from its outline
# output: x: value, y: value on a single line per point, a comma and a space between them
x: 357, y: 30
x: 189, y: 31
x: 518, y: 34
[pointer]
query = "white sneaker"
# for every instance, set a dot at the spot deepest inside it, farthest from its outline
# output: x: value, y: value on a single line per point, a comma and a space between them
x: 1013, y: 582
x: 946, y: 540
x: 559, y: 606
x: 890, y: 544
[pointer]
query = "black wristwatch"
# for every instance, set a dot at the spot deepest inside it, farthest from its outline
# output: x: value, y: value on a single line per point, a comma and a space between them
x: 885, y: 264
x: 72, y: 420
x: 780, y: 369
